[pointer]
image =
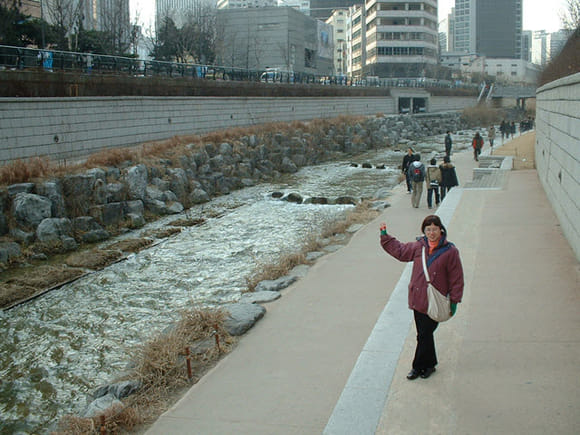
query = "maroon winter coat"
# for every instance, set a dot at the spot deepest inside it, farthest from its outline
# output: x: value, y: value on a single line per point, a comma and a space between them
x: 446, y: 272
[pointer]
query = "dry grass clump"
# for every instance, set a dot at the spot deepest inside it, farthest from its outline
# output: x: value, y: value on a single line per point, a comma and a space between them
x: 164, y: 232
x: 112, y: 157
x: 274, y: 271
x: 482, y: 115
x: 161, y: 367
x: 94, y: 259
x: 131, y: 245
x: 44, y: 277
x: 20, y: 171
x: 187, y: 222
x: 361, y: 214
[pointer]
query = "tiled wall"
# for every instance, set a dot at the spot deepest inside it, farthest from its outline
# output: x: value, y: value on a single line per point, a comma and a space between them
x: 558, y: 151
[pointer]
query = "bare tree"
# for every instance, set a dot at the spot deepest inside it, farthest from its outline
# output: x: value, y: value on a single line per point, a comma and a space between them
x: 116, y: 25
x: 64, y: 15
x: 570, y: 18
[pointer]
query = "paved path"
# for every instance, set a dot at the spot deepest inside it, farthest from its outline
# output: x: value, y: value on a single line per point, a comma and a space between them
x: 331, y: 355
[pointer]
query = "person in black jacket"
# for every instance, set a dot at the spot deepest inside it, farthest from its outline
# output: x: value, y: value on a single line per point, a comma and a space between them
x: 407, y: 160
x: 448, y: 176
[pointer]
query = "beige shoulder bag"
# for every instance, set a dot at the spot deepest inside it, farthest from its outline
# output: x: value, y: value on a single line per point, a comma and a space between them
x: 439, y: 305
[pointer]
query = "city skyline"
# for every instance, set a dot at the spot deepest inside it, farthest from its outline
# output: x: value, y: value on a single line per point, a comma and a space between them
x: 538, y: 14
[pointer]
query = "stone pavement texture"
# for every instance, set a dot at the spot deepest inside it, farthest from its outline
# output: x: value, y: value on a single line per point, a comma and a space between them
x: 331, y: 355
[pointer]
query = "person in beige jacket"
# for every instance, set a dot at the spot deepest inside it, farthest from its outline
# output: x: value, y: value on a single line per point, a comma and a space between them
x: 433, y: 180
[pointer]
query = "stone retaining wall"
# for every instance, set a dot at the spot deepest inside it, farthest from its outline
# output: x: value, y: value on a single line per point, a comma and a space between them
x: 56, y: 215
x: 72, y: 128
x: 558, y: 151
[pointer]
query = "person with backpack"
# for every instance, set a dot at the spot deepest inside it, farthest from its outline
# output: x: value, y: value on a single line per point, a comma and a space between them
x: 432, y: 179
x: 417, y: 170
x: 448, y: 176
x: 407, y: 160
x: 477, y: 144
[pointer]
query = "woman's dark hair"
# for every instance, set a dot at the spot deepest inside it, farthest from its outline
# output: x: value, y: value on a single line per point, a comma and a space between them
x: 433, y: 220
x: 446, y: 159
x: 433, y: 161
x: 417, y: 157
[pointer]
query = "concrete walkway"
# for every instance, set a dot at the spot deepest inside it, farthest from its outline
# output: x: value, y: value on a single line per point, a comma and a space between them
x: 332, y: 354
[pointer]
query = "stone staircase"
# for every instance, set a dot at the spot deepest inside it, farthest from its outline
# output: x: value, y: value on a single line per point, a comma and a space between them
x: 492, y: 172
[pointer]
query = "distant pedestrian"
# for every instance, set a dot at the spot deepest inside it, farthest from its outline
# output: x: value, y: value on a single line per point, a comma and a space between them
x: 407, y: 160
x: 448, y: 177
x: 432, y: 180
x: 444, y: 268
x: 503, y: 129
x: 491, y: 136
x: 448, y: 144
x: 477, y: 144
x: 513, y: 129
x: 417, y: 170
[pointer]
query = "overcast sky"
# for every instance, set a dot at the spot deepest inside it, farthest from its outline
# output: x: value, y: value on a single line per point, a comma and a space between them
x: 538, y: 14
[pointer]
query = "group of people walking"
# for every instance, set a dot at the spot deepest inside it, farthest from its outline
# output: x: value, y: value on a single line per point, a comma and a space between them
x: 439, y: 179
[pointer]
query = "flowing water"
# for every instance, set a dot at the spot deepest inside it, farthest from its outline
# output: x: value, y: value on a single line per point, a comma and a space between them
x: 57, y: 349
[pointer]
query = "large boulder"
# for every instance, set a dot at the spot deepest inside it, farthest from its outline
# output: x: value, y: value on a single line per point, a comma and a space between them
x: 198, y: 196
x: 100, y: 405
x: 77, y: 190
x: 88, y: 230
x: 9, y: 251
x: 136, y: 179
x: 120, y: 390
x: 276, y: 284
x: 15, y: 189
x: 288, y: 166
x: 53, y: 191
x: 54, y: 229
x: 30, y: 209
x: 179, y: 182
x: 241, y: 317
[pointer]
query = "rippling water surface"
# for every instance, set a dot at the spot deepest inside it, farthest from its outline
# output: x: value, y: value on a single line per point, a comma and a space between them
x: 55, y: 350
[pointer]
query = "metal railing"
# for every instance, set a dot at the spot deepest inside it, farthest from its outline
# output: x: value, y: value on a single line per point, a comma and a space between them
x: 21, y: 58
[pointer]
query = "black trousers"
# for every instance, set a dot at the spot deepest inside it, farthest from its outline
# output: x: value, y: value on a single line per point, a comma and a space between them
x: 425, y: 356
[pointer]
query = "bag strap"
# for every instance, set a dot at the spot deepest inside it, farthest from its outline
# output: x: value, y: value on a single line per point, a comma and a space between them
x: 425, y: 266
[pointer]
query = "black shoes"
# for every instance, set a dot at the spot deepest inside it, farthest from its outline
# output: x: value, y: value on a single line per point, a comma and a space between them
x: 414, y: 374
x: 427, y: 372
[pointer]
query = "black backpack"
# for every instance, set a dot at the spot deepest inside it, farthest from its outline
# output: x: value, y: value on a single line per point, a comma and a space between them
x: 417, y: 174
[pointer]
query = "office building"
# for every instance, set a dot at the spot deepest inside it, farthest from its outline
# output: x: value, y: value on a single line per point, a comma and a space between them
x: 490, y: 28
x: 322, y: 9
x: 338, y: 22
x: 279, y: 38
x: 244, y: 4
x: 300, y: 5
x: 393, y: 38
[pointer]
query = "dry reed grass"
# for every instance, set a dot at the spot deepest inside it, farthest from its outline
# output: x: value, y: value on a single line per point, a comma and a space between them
x: 131, y: 245
x: 482, y: 115
x: 93, y: 259
x: 20, y: 171
x: 161, y: 368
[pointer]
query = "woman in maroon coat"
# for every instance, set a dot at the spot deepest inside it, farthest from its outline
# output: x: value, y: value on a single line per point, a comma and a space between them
x: 446, y: 273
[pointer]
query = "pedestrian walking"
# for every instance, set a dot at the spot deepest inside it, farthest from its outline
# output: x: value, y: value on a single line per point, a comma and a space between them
x: 491, y: 137
x: 443, y: 265
x: 448, y: 177
x: 513, y: 129
x: 503, y: 129
x: 448, y: 144
x: 477, y: 144
x: 407, y: 160
x: 432, y: 180
x: 417, y: 170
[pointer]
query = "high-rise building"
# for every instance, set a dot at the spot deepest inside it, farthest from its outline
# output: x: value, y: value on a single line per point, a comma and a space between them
x: 338, y: 22
x: 107, y: 15
x: 491, y: 28
x: 395, y: 38
x: 527, y: 45
x: 451, y: 30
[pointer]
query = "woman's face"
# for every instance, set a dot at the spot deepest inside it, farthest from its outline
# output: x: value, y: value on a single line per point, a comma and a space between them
x: 433, y: 232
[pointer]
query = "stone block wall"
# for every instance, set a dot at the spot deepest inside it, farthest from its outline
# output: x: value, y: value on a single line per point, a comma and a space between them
x: 73, y: 128
x: 69, y: 128
x: 558, y: 151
